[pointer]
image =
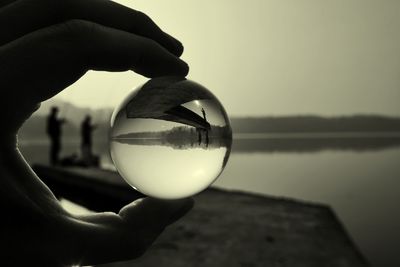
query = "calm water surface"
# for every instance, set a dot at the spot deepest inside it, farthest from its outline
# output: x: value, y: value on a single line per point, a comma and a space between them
x: 362, y: 185
x: 363, y: 188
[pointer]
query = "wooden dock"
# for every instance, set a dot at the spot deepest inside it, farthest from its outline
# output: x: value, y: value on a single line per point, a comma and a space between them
x: 225, y: 228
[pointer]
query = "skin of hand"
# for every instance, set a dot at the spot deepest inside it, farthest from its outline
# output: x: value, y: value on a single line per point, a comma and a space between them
x: 46, y: 45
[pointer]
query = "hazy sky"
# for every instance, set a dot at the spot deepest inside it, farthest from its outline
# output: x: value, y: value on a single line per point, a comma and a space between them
x: 276, y: 57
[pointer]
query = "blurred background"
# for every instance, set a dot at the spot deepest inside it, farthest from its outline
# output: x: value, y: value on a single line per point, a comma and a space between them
x: 312, y: 89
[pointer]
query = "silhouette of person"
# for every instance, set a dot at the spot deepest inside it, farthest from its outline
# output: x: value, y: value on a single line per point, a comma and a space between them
x: 204, y: 114
x: 86, y: 137
x: 206, y: 130
x: 35, y: 229
x: 199, y: 135
x: 54, y: 131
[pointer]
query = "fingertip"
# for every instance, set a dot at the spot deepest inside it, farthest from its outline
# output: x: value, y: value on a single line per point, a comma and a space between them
x: 179, y: 48
x: 175, y: 47
x: 183, y: 68
x: 170, y: 67
x: 171, y: 205
x: 168, y: 211
x: 182, y: 207
x: 157, y: 207
x: 189, y: 203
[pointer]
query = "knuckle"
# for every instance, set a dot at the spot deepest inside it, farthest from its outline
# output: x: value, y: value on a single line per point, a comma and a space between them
x: 75, y: 32
x: 149, y: 45
x: 77, y: 27
x: 142, y: 18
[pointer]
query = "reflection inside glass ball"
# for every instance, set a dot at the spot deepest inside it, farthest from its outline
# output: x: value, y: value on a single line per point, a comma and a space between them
x: 170, y: 138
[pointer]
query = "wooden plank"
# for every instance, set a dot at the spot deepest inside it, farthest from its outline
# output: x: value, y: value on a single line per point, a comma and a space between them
x: 228, y: 228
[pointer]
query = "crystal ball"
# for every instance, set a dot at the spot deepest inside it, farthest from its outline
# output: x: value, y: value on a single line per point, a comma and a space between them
x: 170, y: 138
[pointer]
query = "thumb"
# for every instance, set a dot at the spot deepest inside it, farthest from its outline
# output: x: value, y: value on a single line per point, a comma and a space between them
x: 110, y: 237
x: 155, y: 213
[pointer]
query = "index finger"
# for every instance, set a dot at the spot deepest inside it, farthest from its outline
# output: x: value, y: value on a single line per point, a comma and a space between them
x: 22, y: 17
x: 55, y: 57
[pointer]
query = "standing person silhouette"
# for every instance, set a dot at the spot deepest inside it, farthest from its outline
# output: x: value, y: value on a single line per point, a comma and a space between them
x: 199, y: 135
x: 206, y: 130
x: 54, y: 131
x: 49, y: 47
x: 86, y: 138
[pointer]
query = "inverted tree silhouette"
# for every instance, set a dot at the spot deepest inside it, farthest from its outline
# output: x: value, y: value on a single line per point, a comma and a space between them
x: 162, y: 99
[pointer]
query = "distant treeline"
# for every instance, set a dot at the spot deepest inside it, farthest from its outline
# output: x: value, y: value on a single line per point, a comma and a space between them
x: 179, y: 132
x: 180, y: 137
x: 307, y: 145
x: 34, y: 128
x: 313, y: 124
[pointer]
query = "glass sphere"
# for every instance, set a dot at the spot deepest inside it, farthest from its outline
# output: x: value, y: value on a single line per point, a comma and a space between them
x: 170, y: 138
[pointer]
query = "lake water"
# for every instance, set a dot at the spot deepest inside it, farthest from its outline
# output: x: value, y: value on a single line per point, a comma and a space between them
x: 357, y: 176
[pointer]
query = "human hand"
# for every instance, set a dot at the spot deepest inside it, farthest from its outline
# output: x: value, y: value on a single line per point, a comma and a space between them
x: 47, y: 45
